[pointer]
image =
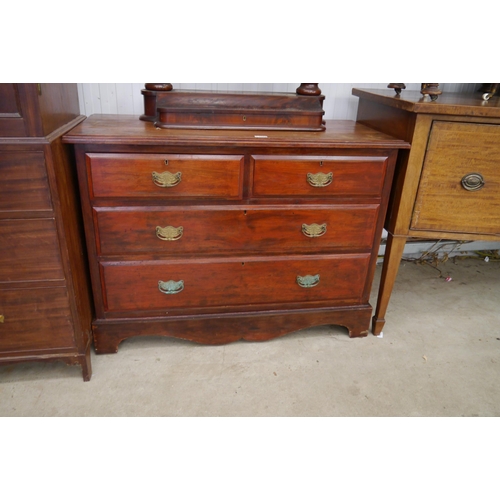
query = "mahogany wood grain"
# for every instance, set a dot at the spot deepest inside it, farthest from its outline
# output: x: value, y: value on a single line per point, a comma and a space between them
x: 44, y: 284
x: 240, y: 229
x: 127, y: 130
x: 30, y: 250
x: 118, y: 175
x: 231, y: 281
x: 224, y: 328
x: 238, y: 258
x: 288, y: 176
x: 29, y: 314
x: 24, y: 183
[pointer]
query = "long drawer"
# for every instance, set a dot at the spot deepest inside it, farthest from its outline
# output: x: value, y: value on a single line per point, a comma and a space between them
x: 27, y: 315
x: 29, y: 250
x: 165, y: 176
x: 222, y: 229
x: 184, y: 283
x: 318, y: 176
x: 24, y: 184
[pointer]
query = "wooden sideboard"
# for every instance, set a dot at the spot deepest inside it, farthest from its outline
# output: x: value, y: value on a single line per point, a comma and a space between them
x: 45, y: 300
x: 215, y: 236
x: 447, y: 186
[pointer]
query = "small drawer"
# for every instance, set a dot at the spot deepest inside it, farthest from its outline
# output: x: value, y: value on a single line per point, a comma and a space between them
x: 318, y: 176
x: 30, y: 250
x: 165, y: 176
x: 160, y: 285
x: 24, y: 183
x: 459, y: 188
x: 35, y: 318
x: 242, y: 229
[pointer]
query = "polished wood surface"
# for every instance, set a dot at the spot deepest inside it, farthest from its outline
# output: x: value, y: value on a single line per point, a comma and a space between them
x: 277, y: 258
x: 240, y: 229
x: 233, y: 281
x: 24, y: 183
x: 198, y: 109
x: 129, y: 175
x: 44, y: 284
x: 451, y: 138
x: 288, y: 176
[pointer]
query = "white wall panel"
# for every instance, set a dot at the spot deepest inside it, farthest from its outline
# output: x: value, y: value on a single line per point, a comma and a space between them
x: 339, y: 104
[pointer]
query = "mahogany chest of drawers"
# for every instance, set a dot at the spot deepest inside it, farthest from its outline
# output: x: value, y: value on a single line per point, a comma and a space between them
x: 215, y: 236
x: 45, y: 300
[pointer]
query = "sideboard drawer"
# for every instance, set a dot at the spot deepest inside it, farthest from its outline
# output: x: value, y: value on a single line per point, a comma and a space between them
x: 30, y: 250
x: 27, y: 316
x: 459, y: 188
x: 24, y: 184
x: 241, y: 229
x: 165, y: 176
x: 230, y: 282
x: 318, y: 176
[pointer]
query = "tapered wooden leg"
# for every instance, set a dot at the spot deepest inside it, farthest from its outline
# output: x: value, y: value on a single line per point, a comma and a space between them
x: 392, y: 259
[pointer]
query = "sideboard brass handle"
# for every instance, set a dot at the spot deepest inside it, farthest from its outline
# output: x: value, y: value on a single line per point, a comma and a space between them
x: 313, y: 230
x: 166, y: 179
x: 170, y: 287
x: 2, y: 318
x: 472, y: 182
x: 308, y: 281
x: 169, y: 233
x: 320, y: 179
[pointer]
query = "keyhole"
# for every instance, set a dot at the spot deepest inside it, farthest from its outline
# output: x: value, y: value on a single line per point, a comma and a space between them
x: 320, y: 163
x: 166, y: 162
x: 244, y: 118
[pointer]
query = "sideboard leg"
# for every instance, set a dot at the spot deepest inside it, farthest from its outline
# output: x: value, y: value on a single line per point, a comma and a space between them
x: 392, y: 259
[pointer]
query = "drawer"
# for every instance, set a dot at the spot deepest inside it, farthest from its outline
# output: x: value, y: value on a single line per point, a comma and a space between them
x: 30, y: 250
x: 24, y: 183
x: 455, y: 151
x: 165, y: 176
x: 233, y: 282
x: 242, y: 229
x: 319, y: 176
x: 35, y: 319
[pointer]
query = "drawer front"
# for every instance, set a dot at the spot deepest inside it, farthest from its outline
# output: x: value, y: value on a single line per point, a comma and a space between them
x: 165, y: 176
x: 24, y: 183
x: 232, y: 282
x: 30, y: 250
x: 35, y: 319
x: 455, y: 151
x: 318, y: 176
x: 247, y: 229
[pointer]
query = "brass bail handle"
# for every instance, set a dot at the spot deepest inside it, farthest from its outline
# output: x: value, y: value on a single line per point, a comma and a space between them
x: 2, y: 318
x: 473, y: 181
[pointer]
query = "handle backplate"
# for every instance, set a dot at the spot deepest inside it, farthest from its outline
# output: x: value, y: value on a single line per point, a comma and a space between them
x: 169, y: 233
x: 308, y: 281
x: 166, y: 179
x: 313, y: 230
x: 472, y: 181
x: 170, y: 287
x: 320, y: 179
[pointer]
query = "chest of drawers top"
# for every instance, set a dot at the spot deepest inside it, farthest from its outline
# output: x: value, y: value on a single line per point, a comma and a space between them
x: 129, y: 130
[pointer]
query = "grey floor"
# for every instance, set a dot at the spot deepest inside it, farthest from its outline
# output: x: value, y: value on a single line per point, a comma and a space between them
x: 439, y: 356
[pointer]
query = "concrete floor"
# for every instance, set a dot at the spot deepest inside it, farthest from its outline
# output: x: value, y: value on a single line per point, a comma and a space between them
x: 439, y: 356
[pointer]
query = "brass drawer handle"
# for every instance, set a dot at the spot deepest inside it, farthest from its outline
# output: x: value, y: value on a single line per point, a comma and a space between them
x: 169, y: 233
x: 170, y: 287
x: 320, y: 179
x: 308, y: 281
x: 2, y: 318
x: 472, y: 182
x: 313, y: 230
x: 166, y: 179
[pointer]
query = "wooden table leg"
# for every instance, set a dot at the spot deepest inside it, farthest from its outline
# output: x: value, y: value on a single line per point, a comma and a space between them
x: 392, y: 259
